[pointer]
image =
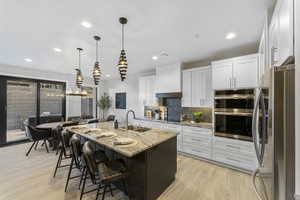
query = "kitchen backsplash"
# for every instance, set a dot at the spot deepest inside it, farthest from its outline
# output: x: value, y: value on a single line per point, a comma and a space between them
x: 187, y: 112
x: 206, y: 113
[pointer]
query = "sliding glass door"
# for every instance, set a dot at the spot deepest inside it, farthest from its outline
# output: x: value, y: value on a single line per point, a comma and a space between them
x: 28, y: 102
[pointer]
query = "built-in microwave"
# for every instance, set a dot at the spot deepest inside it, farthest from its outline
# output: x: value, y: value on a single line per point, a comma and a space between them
x: 233, y: 110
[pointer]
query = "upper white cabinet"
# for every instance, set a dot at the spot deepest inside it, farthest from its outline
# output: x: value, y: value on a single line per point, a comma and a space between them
x: 245, y: 72
x: 197, y: 88
x: 234, y: 73
x: 168, y: 78
x: 222, y: 74
x: 282, y: 33
x: 186, y: 88
x: 147, y: 91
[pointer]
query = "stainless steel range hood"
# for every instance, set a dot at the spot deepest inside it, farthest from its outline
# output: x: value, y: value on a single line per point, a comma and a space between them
x: 169, y: 95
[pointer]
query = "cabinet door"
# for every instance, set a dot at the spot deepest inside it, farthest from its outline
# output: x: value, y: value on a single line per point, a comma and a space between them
x: 196, y: 88
x: 221, y: 75
x: 151, y: 91
x: 273, y: 41
x: 208, y: 91
x: 286, y: 30
x: 245, y: 72
x: 186, y: 89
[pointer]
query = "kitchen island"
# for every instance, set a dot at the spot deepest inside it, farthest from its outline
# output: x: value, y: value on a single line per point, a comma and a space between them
x: 151, y: 160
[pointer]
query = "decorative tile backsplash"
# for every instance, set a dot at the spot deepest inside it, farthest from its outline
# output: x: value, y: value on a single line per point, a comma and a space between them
x: 187, y: 113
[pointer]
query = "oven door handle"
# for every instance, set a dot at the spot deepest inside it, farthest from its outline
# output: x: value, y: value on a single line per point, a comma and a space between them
x: 254, y: 127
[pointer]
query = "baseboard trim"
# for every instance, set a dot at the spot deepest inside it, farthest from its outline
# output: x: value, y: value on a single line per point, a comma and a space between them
x: 297, y: 197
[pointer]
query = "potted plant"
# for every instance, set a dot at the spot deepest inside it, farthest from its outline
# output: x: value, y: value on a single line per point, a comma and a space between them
x: 104, y: 104
x: 197, y: 116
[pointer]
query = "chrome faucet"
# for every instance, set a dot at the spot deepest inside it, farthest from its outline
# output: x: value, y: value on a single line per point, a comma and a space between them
x: 129, y: 111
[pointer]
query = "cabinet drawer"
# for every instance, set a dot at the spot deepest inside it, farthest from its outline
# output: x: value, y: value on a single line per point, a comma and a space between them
x: 234, y: 146
x: 196, y: 139
x: 197, y: 150
x: 237, y: 160
x: 196, y: 130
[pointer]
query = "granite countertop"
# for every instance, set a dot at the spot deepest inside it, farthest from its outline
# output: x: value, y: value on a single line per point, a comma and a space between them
x: 145, y: 140
x: 183, y: 123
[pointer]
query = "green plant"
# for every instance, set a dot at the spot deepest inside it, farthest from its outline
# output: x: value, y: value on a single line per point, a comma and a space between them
x: 104, y: 104
x: 197, y: 115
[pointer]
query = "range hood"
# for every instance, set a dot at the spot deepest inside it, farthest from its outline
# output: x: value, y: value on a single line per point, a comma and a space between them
x: 169, y: 95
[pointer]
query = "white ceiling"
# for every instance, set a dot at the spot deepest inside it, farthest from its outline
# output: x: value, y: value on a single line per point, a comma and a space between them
x: 187, y: 30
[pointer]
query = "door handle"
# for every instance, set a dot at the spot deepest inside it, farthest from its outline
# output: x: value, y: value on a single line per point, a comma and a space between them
x: 259, y: 196
x: 255, y: 129
x: 264, y: 128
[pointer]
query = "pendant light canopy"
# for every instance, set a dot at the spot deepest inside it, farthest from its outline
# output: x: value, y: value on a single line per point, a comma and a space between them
x: 123, y: 65
x: 79, y: 77
x: 97, y: 70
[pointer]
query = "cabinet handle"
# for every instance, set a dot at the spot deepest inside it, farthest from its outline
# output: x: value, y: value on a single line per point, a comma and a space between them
x: 234, y: 147
x: 232, y: 159
x: 234, y: 82
x: 196, y: 150
x: 230, y: 85
x: 196, y: 140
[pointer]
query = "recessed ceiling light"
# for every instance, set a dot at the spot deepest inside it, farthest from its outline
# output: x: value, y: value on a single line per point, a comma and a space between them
x: 86, y: 24
x: 154, y: 58
x: 28, y: 60
x: 107, y: 75
x: 230, y: 36
x: 57, y: 50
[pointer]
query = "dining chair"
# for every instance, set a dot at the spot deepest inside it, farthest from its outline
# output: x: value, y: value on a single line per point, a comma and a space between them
x: 36, y: 135
x: 103, y: 174
x: 64, y: 147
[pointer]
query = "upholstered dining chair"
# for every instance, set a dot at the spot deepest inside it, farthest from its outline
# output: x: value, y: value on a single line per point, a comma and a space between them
x: 36, y: 135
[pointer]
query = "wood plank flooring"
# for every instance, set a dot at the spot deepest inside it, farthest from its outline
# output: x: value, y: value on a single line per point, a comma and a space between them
x: 30, y: 178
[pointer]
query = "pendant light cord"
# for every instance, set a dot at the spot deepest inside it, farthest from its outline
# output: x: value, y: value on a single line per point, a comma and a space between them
x: 97, y: 56
x: 79, y: 60
x: 122, y: 36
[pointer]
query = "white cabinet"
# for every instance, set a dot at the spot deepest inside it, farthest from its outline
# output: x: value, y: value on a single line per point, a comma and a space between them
x: 237, y: 153
x: 263, y: 52
x: 245, y: 72
x: 197, y: 141
x: 147, y: 91
x: 222, y: 74
x: 234, y: 73
x: 197, y: 88
x: 186, y: 88
x: 168, y: 78
x: 282, y: 33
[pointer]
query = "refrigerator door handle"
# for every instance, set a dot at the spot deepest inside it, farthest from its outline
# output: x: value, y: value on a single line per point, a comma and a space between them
x: 255, y: 129
x: 259, y: 196
x: 264, y: 128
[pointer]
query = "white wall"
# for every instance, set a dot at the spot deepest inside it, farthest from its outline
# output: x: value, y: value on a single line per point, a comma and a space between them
x: 297, y: 42
x: 73, y: 105
x: 131, y: 87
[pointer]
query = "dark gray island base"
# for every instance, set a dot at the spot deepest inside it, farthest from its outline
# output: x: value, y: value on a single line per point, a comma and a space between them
x: 152, y: 162
x: 152, y: 171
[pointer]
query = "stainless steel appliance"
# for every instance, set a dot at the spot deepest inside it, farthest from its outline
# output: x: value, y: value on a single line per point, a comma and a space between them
x: 233, y: 113
x: 274, y: 136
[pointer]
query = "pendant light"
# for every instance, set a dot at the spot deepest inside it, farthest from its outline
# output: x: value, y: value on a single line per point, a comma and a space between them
x: 79, y: 77
x: 97, y: 70
x: 123, y: 65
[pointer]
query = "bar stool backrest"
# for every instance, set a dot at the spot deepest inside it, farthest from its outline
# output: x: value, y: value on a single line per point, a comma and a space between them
x: 76, y: 150
x: 90, y: 160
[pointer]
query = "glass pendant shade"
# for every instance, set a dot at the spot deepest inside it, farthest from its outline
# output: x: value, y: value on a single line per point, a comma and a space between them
x: 97, y: 70
x: 97, y: 73
x: 122, y: 64
x: 79, y: 78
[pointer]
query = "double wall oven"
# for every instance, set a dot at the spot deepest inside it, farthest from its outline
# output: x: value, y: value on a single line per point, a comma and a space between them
x: 233, y: 113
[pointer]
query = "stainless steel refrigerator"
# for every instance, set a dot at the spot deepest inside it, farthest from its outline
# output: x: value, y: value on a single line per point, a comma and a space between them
x: 274, y: 135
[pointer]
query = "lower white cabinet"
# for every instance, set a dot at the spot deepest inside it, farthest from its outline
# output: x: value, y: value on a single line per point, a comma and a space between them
x: 200, y: 142
x: 236, y: 153
x: 197, y: 141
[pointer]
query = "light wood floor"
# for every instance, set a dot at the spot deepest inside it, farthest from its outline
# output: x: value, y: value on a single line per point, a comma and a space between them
x: 30, y: 178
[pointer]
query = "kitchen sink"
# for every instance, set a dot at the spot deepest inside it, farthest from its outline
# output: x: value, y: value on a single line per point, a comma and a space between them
x: 139, y: 129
